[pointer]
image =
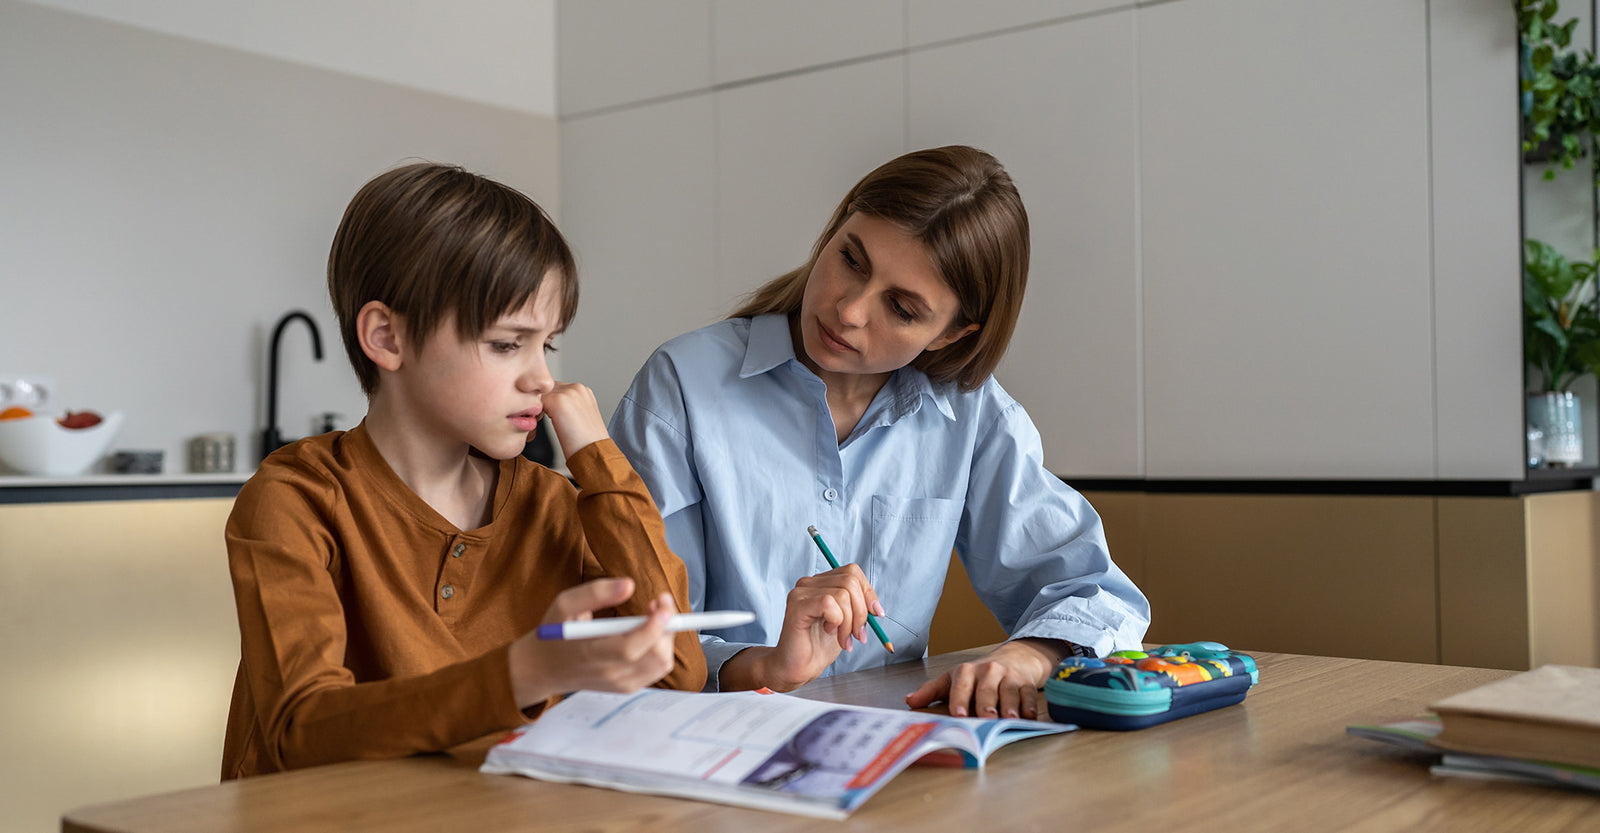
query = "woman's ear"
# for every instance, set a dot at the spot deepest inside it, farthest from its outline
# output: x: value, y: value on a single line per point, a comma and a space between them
x: 378, y: 329
x: 951, y: 336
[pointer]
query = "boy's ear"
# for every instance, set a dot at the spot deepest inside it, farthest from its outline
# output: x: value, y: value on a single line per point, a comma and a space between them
x: 378, y: 329
x: 951, y: 336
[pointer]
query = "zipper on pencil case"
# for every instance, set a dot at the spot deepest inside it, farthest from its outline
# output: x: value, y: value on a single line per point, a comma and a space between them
x: 1108, y: 700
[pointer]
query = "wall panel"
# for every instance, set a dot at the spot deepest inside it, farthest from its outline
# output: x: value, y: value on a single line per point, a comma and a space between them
x: 1284, y: 199
x: 1064, y: 135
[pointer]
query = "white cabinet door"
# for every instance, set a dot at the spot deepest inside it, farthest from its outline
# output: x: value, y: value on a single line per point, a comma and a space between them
x: 1056, y: 105
x: 932, y: 21
x: 766, y: 37
x: 787, y: 151
x: 1476, y: 247
x: 638, y: 207
x: 614, y: 52
x: 1284, y: 188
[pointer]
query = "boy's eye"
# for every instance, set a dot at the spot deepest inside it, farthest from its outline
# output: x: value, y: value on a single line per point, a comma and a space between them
x: 503, y: 346
x: 550, y: 347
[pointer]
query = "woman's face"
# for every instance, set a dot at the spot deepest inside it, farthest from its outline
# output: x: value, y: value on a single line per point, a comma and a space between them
x: 874, y: 301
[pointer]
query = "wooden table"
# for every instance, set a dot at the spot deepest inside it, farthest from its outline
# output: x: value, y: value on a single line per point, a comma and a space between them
x: 1280, y: 761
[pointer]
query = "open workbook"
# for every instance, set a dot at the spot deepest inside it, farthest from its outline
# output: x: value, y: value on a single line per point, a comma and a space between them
x: 769, y: 751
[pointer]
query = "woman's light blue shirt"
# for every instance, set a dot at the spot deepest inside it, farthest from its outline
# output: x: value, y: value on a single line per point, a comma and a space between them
x: 734, y: 438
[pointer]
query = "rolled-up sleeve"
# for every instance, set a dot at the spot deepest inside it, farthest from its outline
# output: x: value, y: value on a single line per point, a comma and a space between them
x: 1035, y: 549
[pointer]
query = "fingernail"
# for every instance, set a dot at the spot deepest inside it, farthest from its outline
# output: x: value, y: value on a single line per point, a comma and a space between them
x: 1011, y: 713
x: 849, y: 646
x: 861, y: 634
x: 992, y: 711
x: 959, y: 711
x: 877, y: 608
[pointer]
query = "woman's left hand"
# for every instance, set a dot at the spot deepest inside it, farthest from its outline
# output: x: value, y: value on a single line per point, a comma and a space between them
x: 1005, y: 683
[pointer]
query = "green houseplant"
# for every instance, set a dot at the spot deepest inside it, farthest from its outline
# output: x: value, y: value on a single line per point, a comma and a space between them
x: 1561, y: 316
x: 1561, y: 341
x: 1560, y: 89
x: 1560, y: 105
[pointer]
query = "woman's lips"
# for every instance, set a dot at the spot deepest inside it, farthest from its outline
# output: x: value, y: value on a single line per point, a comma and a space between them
x: 833, y: 342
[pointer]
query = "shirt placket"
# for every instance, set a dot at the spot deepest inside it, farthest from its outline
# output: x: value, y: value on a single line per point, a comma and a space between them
x: 828, y: 498
x: 450, y: 592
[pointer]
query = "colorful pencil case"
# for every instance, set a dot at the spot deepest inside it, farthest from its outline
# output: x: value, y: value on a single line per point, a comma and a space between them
x: 1136, y: 689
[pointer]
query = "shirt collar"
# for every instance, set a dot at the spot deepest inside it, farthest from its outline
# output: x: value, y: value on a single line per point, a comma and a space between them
x: 771, y: 345
x: 911, y: 386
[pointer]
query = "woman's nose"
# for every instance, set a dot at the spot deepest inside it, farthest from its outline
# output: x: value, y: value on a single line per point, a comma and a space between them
x: 853, y: 309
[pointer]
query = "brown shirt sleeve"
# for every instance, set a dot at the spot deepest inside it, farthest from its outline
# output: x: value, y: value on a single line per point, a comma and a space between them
x: 625, y: 536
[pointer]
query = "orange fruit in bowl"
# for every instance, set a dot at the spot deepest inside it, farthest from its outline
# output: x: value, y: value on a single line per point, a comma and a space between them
x: 16, y: 412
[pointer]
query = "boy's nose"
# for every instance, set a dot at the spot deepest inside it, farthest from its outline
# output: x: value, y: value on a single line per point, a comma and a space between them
x: 537, y: 378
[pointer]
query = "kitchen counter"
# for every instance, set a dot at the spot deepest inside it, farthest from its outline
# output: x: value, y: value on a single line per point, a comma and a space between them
x: 15, y: 488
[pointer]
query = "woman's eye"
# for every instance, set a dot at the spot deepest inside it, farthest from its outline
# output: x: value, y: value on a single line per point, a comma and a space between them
x: 850, y: 260
x: 900, y: 310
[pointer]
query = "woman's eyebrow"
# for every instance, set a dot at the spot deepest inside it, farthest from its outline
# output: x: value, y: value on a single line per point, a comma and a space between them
x: 866, y: 259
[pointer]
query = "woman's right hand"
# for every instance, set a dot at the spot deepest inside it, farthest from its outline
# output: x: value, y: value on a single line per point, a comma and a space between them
x: 825, y: 614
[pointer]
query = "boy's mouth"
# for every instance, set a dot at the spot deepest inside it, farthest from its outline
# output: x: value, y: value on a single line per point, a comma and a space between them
x: 526, y: 420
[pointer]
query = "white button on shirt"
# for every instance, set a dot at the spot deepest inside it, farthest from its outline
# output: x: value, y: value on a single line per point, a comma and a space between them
x: 733, y: 436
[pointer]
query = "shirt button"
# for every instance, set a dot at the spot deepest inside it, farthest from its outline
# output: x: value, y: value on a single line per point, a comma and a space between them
x: 460, y: 548
x: 447, y: 591
x: 830, y: 495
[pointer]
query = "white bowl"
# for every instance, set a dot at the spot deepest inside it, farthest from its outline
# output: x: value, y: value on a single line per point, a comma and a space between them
x: 39, y: 445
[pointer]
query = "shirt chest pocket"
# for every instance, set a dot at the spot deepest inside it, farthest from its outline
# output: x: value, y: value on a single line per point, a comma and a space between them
x: 911, y: 543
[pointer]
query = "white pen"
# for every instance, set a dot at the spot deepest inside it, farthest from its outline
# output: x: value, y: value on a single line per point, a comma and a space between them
x: 589, y: 628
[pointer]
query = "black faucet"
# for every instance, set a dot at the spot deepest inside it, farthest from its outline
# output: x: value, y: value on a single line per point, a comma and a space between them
x: 270, y: 439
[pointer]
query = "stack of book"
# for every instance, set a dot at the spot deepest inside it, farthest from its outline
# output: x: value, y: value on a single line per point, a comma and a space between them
x: 1540, y: 726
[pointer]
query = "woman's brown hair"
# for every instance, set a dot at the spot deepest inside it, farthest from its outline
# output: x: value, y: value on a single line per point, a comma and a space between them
x: 430, y: 241
x: 963, y: 207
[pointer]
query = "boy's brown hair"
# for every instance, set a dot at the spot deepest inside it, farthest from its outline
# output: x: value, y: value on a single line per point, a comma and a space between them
x: 429, y: 241
x: 965, y: 209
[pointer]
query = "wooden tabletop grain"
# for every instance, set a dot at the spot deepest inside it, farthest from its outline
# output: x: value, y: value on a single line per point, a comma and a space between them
x: 1279, y: 761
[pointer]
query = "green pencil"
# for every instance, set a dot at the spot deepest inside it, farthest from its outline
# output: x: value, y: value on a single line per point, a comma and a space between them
x: 871, y: 620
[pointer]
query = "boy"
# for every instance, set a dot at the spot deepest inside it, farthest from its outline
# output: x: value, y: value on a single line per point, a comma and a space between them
x: 388, y: 578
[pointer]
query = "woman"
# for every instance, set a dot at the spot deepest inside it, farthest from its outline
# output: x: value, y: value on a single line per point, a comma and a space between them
x: 855, y: 394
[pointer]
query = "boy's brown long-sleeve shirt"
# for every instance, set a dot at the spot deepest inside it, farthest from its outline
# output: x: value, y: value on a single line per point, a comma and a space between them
x: 372, y: 627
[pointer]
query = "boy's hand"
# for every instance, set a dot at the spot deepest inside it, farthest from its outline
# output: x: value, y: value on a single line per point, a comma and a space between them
x: 541, y: 669
x: 575, y: 415
x: 826, y: 613
x: 1005, y: 683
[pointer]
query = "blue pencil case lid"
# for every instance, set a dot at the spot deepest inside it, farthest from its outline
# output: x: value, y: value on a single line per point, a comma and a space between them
x: 1136, y: 689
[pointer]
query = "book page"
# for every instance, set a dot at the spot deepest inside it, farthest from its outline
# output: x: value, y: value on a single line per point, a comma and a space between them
x: 765, y: 750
